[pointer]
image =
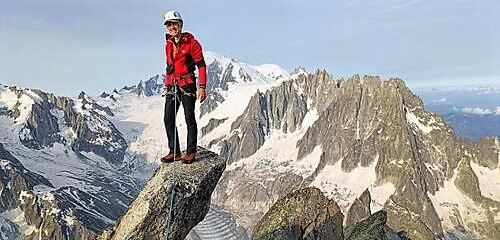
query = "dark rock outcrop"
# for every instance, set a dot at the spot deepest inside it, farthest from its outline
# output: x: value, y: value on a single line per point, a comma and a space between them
x: 303, y: 214
x: 219, y: 76
x: 214, y: 98
x: 150, y: 87
x: 372, y: 227
x: 359, y: 209
x: 212, y: 124
x: 148, y: 216
x: 248, y: 130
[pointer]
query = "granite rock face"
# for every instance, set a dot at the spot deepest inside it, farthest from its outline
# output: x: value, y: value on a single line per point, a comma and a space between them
x: 212, y: 124
x: 147, y: 217
x: 303, y: 214
x: 372, y: 227
x: 147, y: 88
x: 283, y: 107
x: 213, y: 100
x: 364, y: 123
x: 250, y: 137
x: 308, y: 214
x: 224, y: 72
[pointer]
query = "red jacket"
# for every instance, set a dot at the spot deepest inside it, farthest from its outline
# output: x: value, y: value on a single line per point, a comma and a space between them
x: 182, y: 59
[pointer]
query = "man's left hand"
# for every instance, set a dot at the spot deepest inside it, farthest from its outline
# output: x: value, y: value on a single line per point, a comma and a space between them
x: 202, y: 95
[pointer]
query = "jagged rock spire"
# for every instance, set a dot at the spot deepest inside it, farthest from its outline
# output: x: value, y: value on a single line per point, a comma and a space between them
x: 147, y: 216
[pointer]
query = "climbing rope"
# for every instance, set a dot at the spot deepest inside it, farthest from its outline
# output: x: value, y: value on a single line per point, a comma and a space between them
x: 169, y: 222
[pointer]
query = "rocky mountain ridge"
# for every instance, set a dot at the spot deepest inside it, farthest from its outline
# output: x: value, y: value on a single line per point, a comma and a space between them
x: 44, y: 119
x: 61, y: 184
x: 411, y: 157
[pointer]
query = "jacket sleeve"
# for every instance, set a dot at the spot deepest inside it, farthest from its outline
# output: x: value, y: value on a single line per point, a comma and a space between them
x: 199, y: 60
x: 167, y: 79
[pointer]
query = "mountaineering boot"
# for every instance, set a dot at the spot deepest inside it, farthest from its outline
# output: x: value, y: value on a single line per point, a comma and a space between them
x: 170, y: 158
x: 188, y: 158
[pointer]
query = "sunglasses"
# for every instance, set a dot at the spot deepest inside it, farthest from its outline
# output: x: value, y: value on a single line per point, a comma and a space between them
x: 168, y: 24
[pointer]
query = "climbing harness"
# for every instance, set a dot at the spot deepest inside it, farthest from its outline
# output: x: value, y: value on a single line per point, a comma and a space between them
x: 173, y: 91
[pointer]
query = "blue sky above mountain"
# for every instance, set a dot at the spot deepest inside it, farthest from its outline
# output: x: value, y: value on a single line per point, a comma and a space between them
x: 94, y: 46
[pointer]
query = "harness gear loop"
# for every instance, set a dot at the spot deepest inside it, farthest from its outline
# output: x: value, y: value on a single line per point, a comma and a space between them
x: 183, y: 92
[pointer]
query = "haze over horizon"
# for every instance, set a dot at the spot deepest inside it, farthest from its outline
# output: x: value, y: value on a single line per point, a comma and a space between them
x: 94, y: 46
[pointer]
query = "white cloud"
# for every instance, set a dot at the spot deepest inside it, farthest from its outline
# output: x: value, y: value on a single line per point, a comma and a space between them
x: 479, y: 111
x: 497, y: 111
x: 442, y: 100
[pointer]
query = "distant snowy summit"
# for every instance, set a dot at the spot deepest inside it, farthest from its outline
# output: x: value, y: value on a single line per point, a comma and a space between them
x: 240, y: 71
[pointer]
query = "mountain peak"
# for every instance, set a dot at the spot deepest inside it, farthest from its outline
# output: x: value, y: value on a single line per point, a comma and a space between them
x: 242, y: 72
x: 316, y: 131
x: 147, y: 216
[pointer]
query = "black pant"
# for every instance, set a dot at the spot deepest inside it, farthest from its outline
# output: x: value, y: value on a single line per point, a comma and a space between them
x: 186, y: 95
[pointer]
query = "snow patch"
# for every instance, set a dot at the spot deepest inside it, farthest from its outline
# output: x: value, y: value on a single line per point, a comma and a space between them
x: 24, y: 195
x: 453, y: 206
x: 380, y: 194
x: 66, y: 132
x: 69, y: 219
x: 48, y: 197
x: 489, y: 181
x: 10, y: 99
x: 309, y: 163
x: 236, y: 101
x: 25, y: 134
x: 417, y: 122
x: 279, y: 152
x: 342, y: 186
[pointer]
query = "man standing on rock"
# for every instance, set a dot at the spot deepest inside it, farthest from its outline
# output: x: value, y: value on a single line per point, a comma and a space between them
x: 184, y: 54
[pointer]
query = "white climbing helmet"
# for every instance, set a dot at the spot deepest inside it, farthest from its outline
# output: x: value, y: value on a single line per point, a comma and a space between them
x: 172, y: 16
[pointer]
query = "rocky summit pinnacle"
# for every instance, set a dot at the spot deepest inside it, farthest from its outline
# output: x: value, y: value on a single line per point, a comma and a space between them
x: 148, y: 215
x: 303, y: 214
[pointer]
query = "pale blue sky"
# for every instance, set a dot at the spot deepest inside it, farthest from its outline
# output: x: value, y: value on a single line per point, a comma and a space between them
x: 69, y: 46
